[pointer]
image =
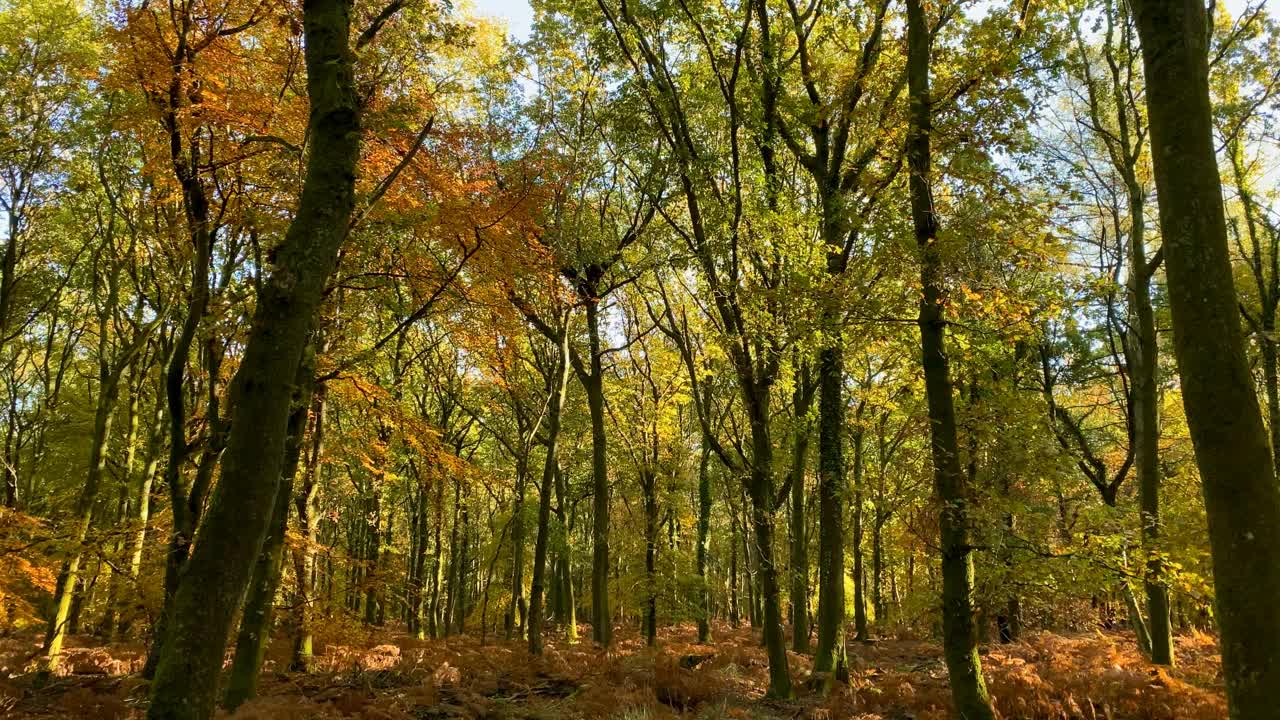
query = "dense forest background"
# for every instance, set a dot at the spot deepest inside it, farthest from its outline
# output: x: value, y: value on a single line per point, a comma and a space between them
x: 363, y: 343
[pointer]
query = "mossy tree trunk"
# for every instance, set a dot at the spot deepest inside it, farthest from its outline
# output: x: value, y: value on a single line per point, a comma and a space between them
x: 960, y: 640
x: 237, y: 521
x: 1232, y: 447
x: 802, y: 399
x: 259, y: 606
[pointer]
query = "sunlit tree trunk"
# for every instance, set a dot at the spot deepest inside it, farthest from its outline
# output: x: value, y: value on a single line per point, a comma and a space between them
x: 309, y: 527
x: 142, y: 514
x: 112, y: 612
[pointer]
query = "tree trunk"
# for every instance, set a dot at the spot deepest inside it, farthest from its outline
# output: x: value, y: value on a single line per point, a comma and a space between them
x: 878, y: 604
x: 593, y: 381
x: 1146, y: 430
x: 799, y: 543
x: 65, y: 614
x: 830, y: 656
x: 704, y: 542
x: 557, y: 386
x: 70, y: 575
x: 735, y: 612
x: 309, y: 527
x: 259, y: 606
x: 514, y: 619
x: 142, y: 503
x: 460, y: 607
x: 649, y: 488
x: 1242, y: 498
x: 960, y: 642
x: 232, y: 533
x: 859, y: 569
x: 437, y: 566
x: 112, y: 613
x: 761, y: 491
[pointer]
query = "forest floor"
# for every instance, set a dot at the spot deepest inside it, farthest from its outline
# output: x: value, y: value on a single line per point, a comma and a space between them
x: 1093, y: 676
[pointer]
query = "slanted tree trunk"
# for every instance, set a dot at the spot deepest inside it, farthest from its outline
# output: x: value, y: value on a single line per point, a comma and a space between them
x: 259, y: 606
x: 142, y: 514
x: 112, y: 361
x: 1242, y: 498
x: 186, y: 503
x: 232, y: 533
x: 69, y: 578
x: 960, y: 641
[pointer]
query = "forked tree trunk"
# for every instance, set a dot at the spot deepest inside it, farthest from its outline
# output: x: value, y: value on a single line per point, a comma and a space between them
x: 191, y: 655
x: 259, y: 606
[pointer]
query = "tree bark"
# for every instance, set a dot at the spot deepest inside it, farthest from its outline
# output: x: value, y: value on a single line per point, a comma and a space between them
x: 259, y: 606
x: 556, y: 386
x: 801, y: 400
x: 1242, y: 498
x: 232, y: 533
x: 593, y: 381
x: 960, y: 642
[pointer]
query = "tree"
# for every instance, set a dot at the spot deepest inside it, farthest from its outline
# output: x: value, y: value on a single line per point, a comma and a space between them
x: 960, y: 641
x: 233, y: 531
x: 1242, y: 499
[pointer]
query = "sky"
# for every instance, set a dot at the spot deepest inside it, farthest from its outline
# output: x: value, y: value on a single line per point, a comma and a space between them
x: 517, y: 13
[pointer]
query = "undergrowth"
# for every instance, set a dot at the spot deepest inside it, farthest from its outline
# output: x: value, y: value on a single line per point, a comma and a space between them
x: 1089, y: 676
